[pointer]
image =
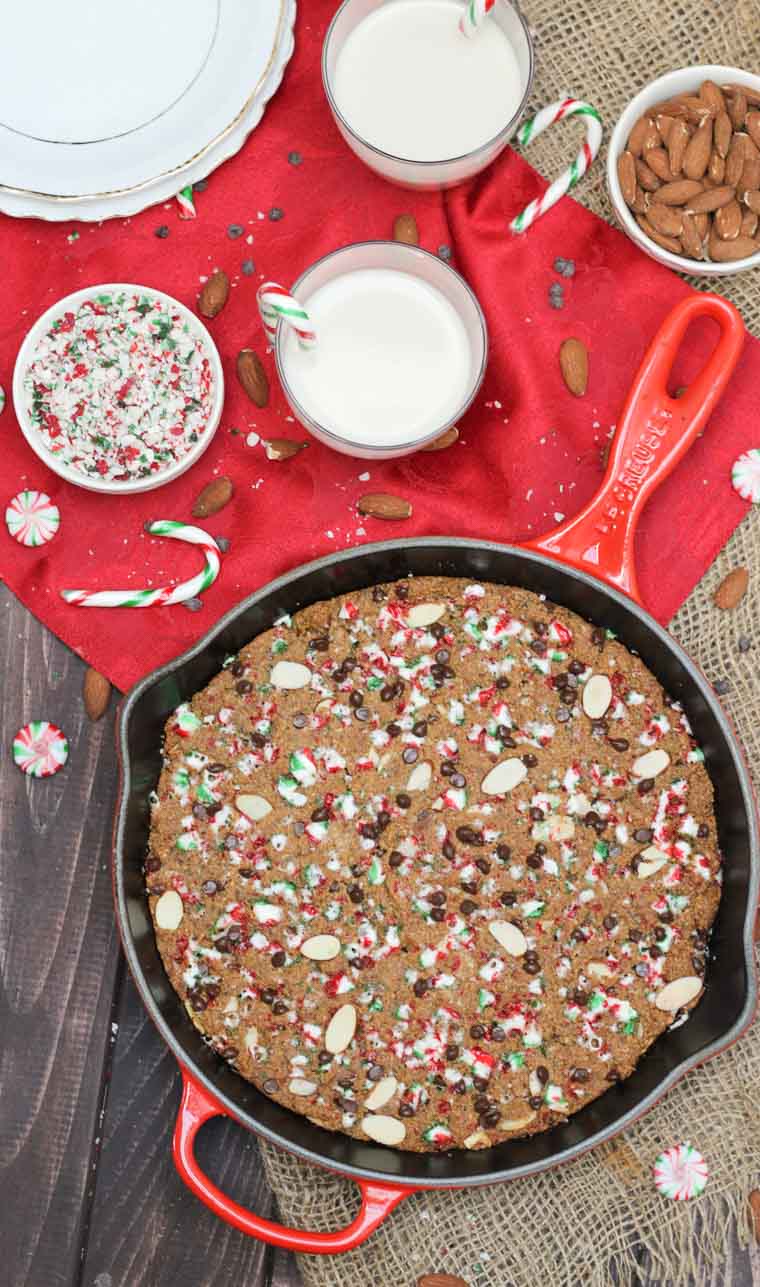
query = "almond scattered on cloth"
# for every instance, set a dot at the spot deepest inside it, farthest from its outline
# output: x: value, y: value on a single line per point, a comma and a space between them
x: 697, y: 155
x: 732, y: 589
x: 754, y: 1213
x: 283, y: 448
x: 215, y: 496
x: 446, y: 439
x: 573, y: 362
x: 441, y: 1280
x: 96, y: 693
x: 253, y: 377
x: 214, y: 294
x: 405, y: 230
x: 383, y: 505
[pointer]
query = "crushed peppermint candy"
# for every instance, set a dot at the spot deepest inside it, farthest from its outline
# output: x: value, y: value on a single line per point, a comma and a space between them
x: 121, y: 388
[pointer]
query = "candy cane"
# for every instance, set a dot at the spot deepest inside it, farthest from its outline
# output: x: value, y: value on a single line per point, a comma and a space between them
x: 186, y: 202
x: 166, y: 594
x: 475, y: 13
x: 574, y: 172
x: 275, y: 303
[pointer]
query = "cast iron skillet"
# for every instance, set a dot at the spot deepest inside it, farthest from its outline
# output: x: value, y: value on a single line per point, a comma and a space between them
x: 587, y: 566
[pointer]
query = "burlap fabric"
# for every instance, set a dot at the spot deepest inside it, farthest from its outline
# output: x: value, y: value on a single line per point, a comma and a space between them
x: 593, y: 1220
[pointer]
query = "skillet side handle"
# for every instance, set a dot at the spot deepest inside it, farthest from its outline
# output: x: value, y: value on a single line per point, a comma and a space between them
x: 654, y: 432
x: 197, y: 1107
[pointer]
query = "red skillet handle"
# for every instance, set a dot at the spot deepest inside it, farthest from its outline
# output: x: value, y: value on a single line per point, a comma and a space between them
x: 196, y: 1107
x: 654, y: 432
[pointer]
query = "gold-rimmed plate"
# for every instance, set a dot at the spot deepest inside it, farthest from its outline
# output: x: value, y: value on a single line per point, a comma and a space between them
x: 139, y: 103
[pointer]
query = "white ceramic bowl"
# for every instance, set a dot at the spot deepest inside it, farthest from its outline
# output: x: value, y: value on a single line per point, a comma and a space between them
x: 686, y: 79
x: 71, y: 475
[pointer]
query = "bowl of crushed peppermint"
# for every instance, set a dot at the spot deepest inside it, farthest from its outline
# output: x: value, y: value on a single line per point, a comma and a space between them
x: 118, y: 388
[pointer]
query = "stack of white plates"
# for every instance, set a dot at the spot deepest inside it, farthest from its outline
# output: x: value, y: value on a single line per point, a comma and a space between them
x: 109, y: 106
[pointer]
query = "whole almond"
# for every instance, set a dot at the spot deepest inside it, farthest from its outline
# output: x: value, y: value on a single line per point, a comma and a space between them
x: 750, y: 180
x: 573, y: 362
x: 664, y: 126
x: 752, y: 201
x: 96, y: 693
x: 678, y: 193
x: 446, y: 439
x: 712, y: 96
x: 737, y: 108
x: 405, y: 230
x: 626, y: 168
x: 253, y: 377
x: 647, y: 178
x: 728, y: 221
x: 716, y: 170
x: 668, y: 243
x: 697, y: 155
x: 214, y: 293
x: 657, y: 160
x: 732, y: 589
x: 282, y: 448
x: 751, y: 95
x: 722, y: 133
x: 751, y: 150
x: 696, y: 108
x: 215, y: 496
x: 678, y: 141
x: 735, y: 159
x: 710, y: 199
x: 666, y: 219
x: 691, y: 240
x: 749, y: 224
x: 727, y: 252
x: 702, y: 224
x: 640, y: 201
x: 441, y: 1280
x: 643, y: 130
x: 752, y: 126
x: 383, y: 505
x: 753, y: 1213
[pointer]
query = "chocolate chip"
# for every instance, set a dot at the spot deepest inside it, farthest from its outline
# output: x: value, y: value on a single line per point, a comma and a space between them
x: 243, y: 686
x: 362, y: 714
x: 536, y: 814
x: 542, y: 1074
x: 619, y: 743
x: 248, y: 268
x: 268, y: 996
x: 530, y: 761
x: 162, y: 232
x: 452, y: 1051
x: 503, y: 852
x: 448, y: 850
x: 320, y: 644
x: 258, y: 740
x: 477, y: 1031
x: 641, y: 969
x: 613, y: 1075
x: 535, y: 1101
x: 438, y: 898
x: 271, y: 1086
x: 275, y: 214
x: 703, y: 831
x: 467, y: 907
x: 216, y: 768
x: 576, y: 667
x: 562, y: 715
x: 598, y: 636
x: 530, y: 966
x: 579, y: 997
x: 470, y: 886
x: 300, y: 720
x: 497, y: 1033
x: 491, y: 1118
x: 645, y: 786
x: 610, y: 922
x: 437, y: 914
x: 356, y: 893
x: 278, y: 959
x: 579, y: 1074
x: 643, y: 835
x: 421, y: 986
x: 744, y: 644
x: 294, y: 158
x: 402, y: 590
x: 502, y: 683
x: 458, y: 780
x: 420, y: 728
x: 410, y: 754
x: 403, y: 800
x: 393, y: 729
x: 152, y: 863
x: 444, y: 253
x: 508, y: 899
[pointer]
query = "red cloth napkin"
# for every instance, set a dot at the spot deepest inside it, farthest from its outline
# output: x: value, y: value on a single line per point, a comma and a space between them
x: 529, y: 453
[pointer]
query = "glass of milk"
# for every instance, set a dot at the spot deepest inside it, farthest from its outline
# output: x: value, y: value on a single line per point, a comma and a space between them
x: 414, y: 98
x: 401, y: 351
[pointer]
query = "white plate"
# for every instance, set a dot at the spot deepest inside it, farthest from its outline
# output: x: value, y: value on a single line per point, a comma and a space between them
x: 106, y: 140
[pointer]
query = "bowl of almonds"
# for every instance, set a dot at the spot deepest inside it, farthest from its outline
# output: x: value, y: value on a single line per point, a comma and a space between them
x: 683, y: 170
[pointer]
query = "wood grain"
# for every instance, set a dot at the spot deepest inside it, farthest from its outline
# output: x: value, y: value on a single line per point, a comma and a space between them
x: 58, y: 957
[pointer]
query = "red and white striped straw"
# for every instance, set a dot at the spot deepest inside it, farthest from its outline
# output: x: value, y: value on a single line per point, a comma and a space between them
x: 475, y: 14
x: 275, y: 305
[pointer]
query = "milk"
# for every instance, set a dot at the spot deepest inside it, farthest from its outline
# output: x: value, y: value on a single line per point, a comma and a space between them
x: 392, y: 363
x: 409, y: 83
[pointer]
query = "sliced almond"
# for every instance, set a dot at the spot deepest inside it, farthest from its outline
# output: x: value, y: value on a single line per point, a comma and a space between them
x: 251, y: 1040
x: 290, y: 674
x: 169, y: 910
x: 381, y: 1094
x: 651, y: 860
x: 282, y: 448
x: 384, y: 1130
x: 478, y: 1139
x: 254, y: 807
x: 340, y: 1030
x: 597, y: 695
x: 424, y: 614
x: 649, y: 765
x: 517, y: 1122
x: 320, y: 947
x: 599, y: 970
x: 504, y: 777
x: 509, y: 937
x: 675, y: 995
x: 301, y: 1087
x: 420, y: 777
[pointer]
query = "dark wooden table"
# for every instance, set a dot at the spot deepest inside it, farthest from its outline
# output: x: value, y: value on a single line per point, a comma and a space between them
x: 88, y: 1091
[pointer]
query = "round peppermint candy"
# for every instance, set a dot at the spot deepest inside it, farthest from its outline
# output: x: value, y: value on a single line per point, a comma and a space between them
x: 680, y: 1173
x: 32, y: 518
x: 745, y: 475
x: 40, y: 749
